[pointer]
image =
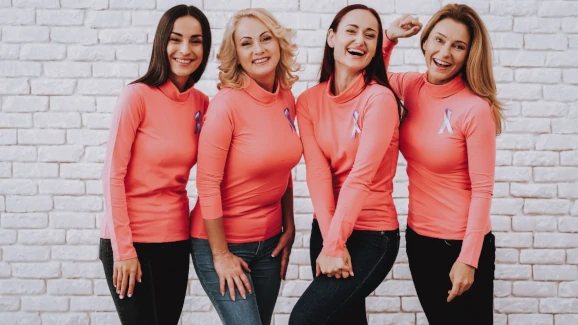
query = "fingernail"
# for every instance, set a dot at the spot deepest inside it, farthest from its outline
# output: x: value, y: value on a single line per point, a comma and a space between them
x: 114, y: 285
x: 272, y: 255
x: 121, y: 297
x: 129, y: 295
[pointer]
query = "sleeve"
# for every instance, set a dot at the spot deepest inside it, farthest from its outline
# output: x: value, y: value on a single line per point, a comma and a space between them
x: 480, y: 133
x: 214, y: 144
x: 319, y: 178
x: 379, y: 124
x: 127, y: 117
x: 398, y: 81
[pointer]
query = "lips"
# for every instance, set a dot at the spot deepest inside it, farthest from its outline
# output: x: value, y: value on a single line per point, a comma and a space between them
x: 260, y: 60
x: 356, y: 52
x: 183, y: 61
x: 441, y: 64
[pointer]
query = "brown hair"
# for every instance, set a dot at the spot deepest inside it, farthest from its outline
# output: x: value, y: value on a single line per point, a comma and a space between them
x: 159, y: 66
x: 477, y: 72
x: 375, y: 71
x: 232, y: 74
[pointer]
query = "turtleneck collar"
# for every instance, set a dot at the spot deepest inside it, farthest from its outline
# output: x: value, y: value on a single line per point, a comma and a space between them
x: 261, y: 95
x: 348, y: 94
x: 445, y: 90
x: 172, y: 92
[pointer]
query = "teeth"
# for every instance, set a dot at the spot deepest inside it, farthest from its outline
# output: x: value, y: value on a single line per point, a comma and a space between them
x: 261, y: 60
x: 442, y: 63
x: 183, y: 61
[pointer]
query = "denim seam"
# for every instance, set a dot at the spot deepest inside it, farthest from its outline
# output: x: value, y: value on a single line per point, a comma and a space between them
x: 202, y: 278
x: 364, y: 280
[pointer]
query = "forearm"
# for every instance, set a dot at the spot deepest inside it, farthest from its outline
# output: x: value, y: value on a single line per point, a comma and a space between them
x: 216, y: 235
x: 287, y: 210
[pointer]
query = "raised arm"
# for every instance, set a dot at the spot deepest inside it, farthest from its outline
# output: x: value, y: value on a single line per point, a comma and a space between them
x: 319, y: 179
x: 379, y: 125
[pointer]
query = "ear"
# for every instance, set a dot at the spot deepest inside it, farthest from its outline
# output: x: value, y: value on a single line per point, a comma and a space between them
x: 330, y: 36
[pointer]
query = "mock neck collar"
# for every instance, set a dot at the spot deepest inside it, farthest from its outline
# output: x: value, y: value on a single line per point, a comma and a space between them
x: 172, y: 92
x: 350, y: 92
x: 261, y: 95
x: 445, y: 90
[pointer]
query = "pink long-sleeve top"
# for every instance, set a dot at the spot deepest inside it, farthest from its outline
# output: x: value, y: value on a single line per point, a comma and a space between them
x: 151, y: 149
x: 247, y: 149
x: 449, y: 141
x: 350, y: 143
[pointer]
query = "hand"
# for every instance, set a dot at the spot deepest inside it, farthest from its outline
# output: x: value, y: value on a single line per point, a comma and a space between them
x: 125, y: 274
x: 462, y: 277
x: 405, y: 26
x: 284, y: 246
x: 229, y: 268
x: 348, y: 271
x: 331, y: 266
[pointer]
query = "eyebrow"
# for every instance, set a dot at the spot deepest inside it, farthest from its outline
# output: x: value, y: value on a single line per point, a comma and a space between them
x: 369, y: 28
x: 458, y: 41
x: 181, y: 35
x: 249, y: 37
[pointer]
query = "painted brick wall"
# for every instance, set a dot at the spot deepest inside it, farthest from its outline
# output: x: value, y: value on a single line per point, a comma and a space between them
x: 63, y: 62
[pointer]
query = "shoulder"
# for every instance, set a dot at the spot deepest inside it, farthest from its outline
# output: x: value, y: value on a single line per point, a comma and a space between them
x: 200, y: 97
x: 287, y: 96
x: 477, y: 107
x: 313, y: 91
x: 136, y: 91
x: 221, y: 101
x: 377, y: 90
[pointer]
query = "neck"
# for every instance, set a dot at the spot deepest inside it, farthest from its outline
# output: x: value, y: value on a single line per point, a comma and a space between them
x: 438, y: 82
x: 342, y: 79
x: 180, y: 82
x: 267, y: 83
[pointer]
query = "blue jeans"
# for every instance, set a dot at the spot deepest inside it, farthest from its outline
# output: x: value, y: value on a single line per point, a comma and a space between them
x: 265, y: 279
x: 342, y: 301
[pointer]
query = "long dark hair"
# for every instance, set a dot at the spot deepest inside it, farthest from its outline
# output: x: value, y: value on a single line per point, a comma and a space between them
x: 375, y: 71
x: 159, y: 66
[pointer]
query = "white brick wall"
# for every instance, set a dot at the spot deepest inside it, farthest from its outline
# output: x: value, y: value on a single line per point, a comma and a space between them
x: 64, y: 62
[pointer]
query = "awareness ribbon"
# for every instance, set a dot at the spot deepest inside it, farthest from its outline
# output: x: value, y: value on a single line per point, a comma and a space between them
x: 356, y: 128
x: 198, y: 122
x: 447, y: 116
x: 288, y: 116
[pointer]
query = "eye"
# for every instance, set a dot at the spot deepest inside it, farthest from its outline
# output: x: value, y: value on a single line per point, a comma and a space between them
x: 267, y: 38
x: 175, y: 40
x: 196, y: 41
x: 460, y: 47
x: 351, y: 31
x: 370, y: 36
x: 245, y: 43
x: 437, y: 39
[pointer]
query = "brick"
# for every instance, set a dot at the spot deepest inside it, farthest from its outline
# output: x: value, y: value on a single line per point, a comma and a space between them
x: 81, y: 171
x: 544, y: 109
x: 14, y: 87
x: 67, y: 318
x: 546, y: 41
x: 75, y: 253
x: 28, y: 204
x: 42, y: 52
x: 520, y: 91
x: 83, y: 237
x: 533, y: 190
x: 534, y: 319
x: 15, y: 120
x: 535, y: 75
x: 19, y: 69
x: 9, y: 51
x: 106, y: 104
x: 24, y: 220
x: 61, y: 17
x: 7, y: 237
x: 90, y: 53
x: 37, y: 3
x: 536, y: 25
x: 506, y: 206
x: 511, y: 58
x: 562, y: 59
x: 557, y: 142
x: 52, y: 86
x: 67, y: 69
x: 563, y: 93
x: 513, y: 174
x: 507, y: 40
x: 72, y: 104
x: 534, y: 223
x: 528, y: 125
x: 296, y: 21
x: 61, y: 187
x: 542, y: 256
x: 568, y: 190
x: 516, y: 305
x: 84, y: 4
x: 41, y: 136
x: 60, y: 153
x: 416, y: 7
x: 115, y: 70
x: 23, y: 104
x: 568, y: 224
x: 69, y: 287
x: 503, y: 74
x: 79, y: 35
x: 396, y: 288
x: 18, y: 186
x: 45, y: 303
x: 557, y: 8
x: 513, y: 8
x: 24, y: 34
x: 57, y: 120
x: 555, y: 240
x: 17, y: 153
x: 87, y: 137
x: 544, y: 206
x: 100, y: 86
x: 558, y: 174
x: 69, y: 220
x: 10, y: 16
x: 515, y: 240
x: 151, y: 18
x: 72, y: 203
x: 107, y: 19
x: 26, y: 253
x: 5, y: 168
x: 10, y: 304
x: 391, y: 319
x: 565, y: 126
x: 382, y: 304
x: 566, y: 319
x: 558, y: 305
x: 134, y: 53
x: 570, y: 76
x: 513, y: 272
x: 555, y: 272
x: 96, y: 154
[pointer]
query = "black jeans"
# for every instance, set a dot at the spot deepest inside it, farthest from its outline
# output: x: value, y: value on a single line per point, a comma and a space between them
x: 430, y: 263
x: 265, y: 280
x: 342, y: 301
x: 159, y: 299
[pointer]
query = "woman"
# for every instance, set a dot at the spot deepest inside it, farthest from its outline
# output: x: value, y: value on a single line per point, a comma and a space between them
x: 151, y: 149
x: 449, y: 141
x: 349, y: 130
x: 242, y: 225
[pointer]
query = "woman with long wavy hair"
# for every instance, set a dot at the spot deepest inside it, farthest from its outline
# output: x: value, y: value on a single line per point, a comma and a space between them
x: 152, y: 146
x: 349, y: 130
x: 242, y: 226
x: 448, y: 138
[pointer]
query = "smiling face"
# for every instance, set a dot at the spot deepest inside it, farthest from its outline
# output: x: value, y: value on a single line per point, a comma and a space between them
x: 184, y: 49
x: 258, y: 51
x: 446, y: 50
x: 354, y: 41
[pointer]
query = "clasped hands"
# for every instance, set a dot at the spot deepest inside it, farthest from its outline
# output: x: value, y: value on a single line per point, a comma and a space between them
x: 338, y: 267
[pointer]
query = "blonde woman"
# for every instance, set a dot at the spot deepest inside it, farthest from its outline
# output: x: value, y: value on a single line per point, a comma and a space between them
x: 242, y: 226
x: 449, y: 141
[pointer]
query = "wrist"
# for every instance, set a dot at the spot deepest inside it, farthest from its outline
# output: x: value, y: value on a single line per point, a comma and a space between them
x: 390, y: 37
x: 220, y: 253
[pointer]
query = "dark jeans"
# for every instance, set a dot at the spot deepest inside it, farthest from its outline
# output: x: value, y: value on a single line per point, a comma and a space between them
x: 430, y: 263
x: 265, y: 280
x: 159, y: 298
x: 342, y: 301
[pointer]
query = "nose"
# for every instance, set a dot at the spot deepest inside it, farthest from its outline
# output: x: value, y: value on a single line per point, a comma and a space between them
x: 258, y: 47
x: 359, y: 38
x: 184, y: 48
x: 445, y: 50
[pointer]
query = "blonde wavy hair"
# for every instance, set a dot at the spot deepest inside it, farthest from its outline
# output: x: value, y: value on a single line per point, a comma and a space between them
x: 232, y: 74
x: 477, y: 73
